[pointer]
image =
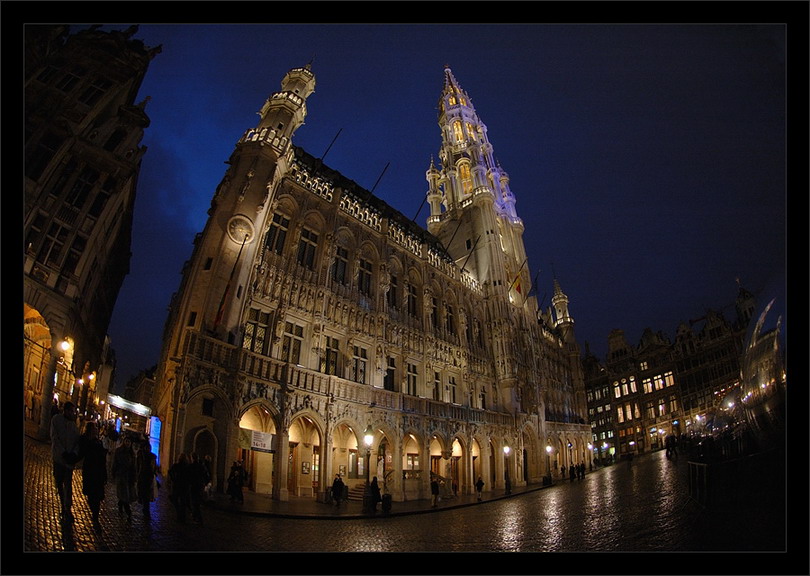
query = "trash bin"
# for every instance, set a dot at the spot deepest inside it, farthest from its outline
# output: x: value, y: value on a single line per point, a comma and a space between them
x: 386, y: 503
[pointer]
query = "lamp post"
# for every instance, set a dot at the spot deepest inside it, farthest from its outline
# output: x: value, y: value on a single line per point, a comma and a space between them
x: 506, y: 458
x: 368, y: 438
x: 548, y: 463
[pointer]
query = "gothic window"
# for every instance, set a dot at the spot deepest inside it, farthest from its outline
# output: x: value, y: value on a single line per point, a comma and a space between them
x: 646, y: 385
x: 41, y: 155
x: 70, y: 79
x: 451, y: 100
x: 412, y: 301
x: 450, y: 321
x: 412, y: 379
x: 329, y: 362
x: 466, y: 178
x: 306, y: 248
x: 95, y: 91
x: 457, y: 132
x: 81, y: 188
x: 291, y: 343
x: 364, y: 277
x: 359, y: 362
x: 452, y: 385
x: 74, y: 255
x: 669, y: 379
x: 102, y: 197
x: 51, y: 250
x: 434, y: 313
x: 277, y: 233
x: 256, y: 330
x: 391, y: 296
x: 340, y: 265
x: 469, y: 333
x: 479, y: 334
x: 115, y: 139
x: 390, y: 373
x: 437, y: 386
x: 483, y: 397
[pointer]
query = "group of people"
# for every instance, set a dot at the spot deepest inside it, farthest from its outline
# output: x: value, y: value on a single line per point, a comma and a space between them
x: 339, y: 492
x: 575, y: 471
x: 133, y: 471
x: 188, y: 478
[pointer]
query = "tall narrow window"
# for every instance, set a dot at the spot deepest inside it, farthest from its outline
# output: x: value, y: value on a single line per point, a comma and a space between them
x: 359, y: 362
x: 390, y: 374
x: 483, y: 397
x: 466, y: 178
x: 364, y: 277
x: 277, y: 233
x: 437, y: 386
x: 458, y: 134
x: 81, y: 188
x: 340, y: 265
x: 306, y: 248
x: 452, y: 384
x: 412, y: 379
x: 412, y: 301
x: 292, y: 343
x: 329, y: 362
x: 450, y: 321
x: 391, y: 296
x: 434, y: 313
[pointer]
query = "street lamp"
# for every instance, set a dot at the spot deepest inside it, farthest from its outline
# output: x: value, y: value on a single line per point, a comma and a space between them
x: 368, y: 438
x: 508, y: 482
x: 548, y: 462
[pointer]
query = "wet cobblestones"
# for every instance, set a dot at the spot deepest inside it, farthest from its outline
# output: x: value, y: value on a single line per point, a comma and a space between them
x: 643, y: 508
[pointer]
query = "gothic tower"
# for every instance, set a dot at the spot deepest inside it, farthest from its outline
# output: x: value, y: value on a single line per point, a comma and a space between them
x: 213, y: 289
x: 472, y: 209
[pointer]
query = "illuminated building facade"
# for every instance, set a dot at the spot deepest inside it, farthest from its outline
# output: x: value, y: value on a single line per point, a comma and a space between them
x: 82, y: 159
x: 311, y: 314
x: 643, y: 393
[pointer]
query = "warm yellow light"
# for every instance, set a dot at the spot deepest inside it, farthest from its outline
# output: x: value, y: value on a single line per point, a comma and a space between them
x: 368, y: 437
x: 64, y: 345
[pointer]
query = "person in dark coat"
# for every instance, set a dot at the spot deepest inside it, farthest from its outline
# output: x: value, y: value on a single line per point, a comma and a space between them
x: 146, y: 477
x: 124, y: 470
x: 197, y: 479
x: 479, y: 487
x: 236, y: 480
x: 337, y: 489
x: 94, y: 469
x: 179, y: 481
x: 375, y: 494
x: 434, y: 493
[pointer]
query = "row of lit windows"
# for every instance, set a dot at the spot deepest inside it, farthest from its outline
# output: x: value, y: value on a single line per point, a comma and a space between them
x: 255, y: 339
x: 628, y: 385
x: 441, y: 318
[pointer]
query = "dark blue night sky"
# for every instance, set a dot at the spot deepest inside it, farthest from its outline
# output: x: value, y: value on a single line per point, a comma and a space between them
x: 648, y: 161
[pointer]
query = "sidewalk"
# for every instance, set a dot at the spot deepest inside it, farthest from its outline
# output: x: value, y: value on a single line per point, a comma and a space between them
x: 300, y: 507
x: 307, y: 507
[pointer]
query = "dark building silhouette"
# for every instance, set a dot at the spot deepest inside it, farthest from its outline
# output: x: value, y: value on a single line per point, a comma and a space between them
x: 82, y: 156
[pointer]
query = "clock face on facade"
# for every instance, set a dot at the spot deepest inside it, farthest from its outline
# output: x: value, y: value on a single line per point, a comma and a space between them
x: 240, y: 229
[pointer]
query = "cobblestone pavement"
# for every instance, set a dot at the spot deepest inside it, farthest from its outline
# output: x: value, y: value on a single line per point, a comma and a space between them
x: 642, y: 507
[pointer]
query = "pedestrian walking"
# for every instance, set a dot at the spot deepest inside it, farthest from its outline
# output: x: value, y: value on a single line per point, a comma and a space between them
x: 179, y: 486
x: 236, y: 480
x: 434, y: 493
x: 109, y: 438
x: 124, y: 474
x: 65, y: 455
x: 375, y: 494
x: 196, y: 485
x: 479, y: 487
x: 337, y: 489
x: 94, y: 469
x: 146, y: 477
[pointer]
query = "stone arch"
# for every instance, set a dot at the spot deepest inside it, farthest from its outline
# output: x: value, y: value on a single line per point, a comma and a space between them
x: 306, y: 440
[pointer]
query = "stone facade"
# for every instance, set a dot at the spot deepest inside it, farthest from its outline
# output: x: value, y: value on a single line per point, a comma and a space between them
x: 312, y: 314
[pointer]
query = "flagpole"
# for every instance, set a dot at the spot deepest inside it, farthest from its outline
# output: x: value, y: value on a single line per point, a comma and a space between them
x: 221, y: 310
